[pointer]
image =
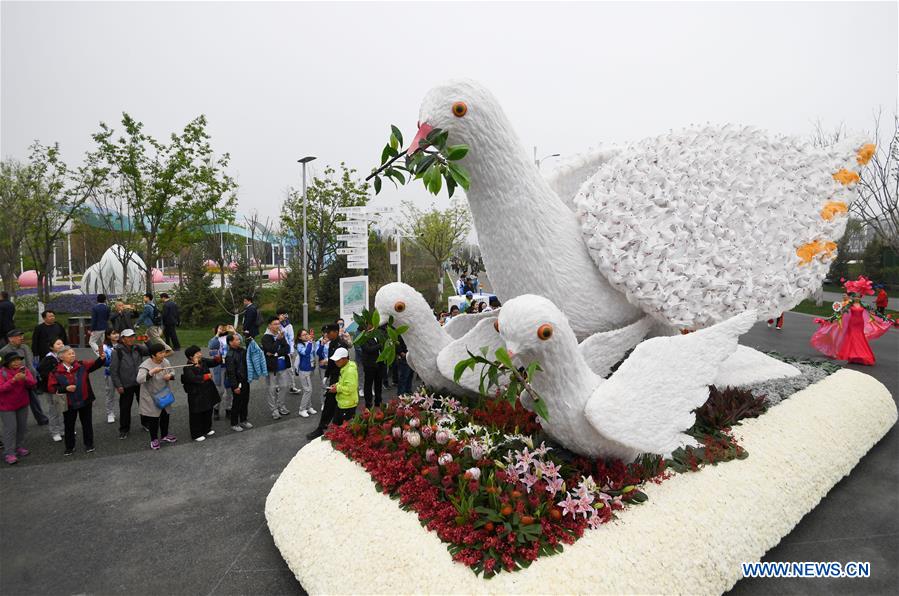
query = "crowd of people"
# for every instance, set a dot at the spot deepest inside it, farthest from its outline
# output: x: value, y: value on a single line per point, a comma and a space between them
x: 58, y: 389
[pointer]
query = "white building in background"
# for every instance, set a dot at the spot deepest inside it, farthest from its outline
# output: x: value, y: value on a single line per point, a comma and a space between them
x: 108, y: 276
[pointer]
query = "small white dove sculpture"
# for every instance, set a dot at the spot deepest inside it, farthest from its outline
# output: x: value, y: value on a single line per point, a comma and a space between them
x: 644, y: 407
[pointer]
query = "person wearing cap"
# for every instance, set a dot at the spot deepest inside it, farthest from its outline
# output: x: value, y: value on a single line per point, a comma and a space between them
x: 46, y: 366
x: 346, y: 390
x: 17, y: 345
x: 202, y: 395
x: 329, y: 408
x: 71, y: 378
x: 127, y: 356
x: 16, y: 382
x: 153, y: 376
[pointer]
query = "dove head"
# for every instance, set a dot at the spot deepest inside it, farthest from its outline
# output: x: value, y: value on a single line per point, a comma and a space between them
x: 404, y: 304
x: 471, y: 115
x: 533, y: 328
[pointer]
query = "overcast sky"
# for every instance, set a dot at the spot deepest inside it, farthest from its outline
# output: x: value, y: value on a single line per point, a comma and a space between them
x: 282, y: 80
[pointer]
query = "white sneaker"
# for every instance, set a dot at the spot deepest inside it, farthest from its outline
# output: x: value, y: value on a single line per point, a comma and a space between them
x: 237, y: 429
x: 294, y: 390
x: 311, y: 411
x: 770, y: 325
x: 110, y: 418
x: 276, y: 415
x: 57, y: 438
x: 200, y: 439
x: 283, y: 411
x: 303, y: 413
x: 246, y: 425
x: 210, y: 433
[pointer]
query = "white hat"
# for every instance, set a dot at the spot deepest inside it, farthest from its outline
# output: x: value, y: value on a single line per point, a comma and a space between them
x: 128, y: 333
x: 340, y: 353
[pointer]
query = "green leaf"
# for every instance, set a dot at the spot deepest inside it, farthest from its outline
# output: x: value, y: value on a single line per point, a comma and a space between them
x: 394, y: 143
x: 396, y: 176
x: 503, y: 356
x: 436, y: 180
x: 456, y: 152
x: 396, y: 133
x: 375, y: 318
x: 377, y: 184
x: 459, y: 175
x: 402, y: 329
x: 450, y: 185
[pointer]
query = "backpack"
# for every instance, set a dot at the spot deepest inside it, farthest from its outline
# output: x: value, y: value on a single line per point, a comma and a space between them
x: 157, y: 316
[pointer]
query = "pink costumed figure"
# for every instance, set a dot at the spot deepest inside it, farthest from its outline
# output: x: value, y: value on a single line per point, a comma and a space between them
x: 846, y: 334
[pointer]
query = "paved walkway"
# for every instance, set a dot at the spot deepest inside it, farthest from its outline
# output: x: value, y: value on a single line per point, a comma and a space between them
x: 189, y: 518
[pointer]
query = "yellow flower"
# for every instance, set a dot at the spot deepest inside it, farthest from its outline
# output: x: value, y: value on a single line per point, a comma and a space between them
x: 831, y: 208
x: 810, y: 250
x: 865, y: 154
x: 845, y: 176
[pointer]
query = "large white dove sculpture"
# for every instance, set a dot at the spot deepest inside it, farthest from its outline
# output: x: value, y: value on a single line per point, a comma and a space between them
x: 643, y: 407
x: 690, y: 228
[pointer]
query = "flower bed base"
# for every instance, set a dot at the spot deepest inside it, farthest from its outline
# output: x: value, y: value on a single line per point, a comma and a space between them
x: 338, y: 534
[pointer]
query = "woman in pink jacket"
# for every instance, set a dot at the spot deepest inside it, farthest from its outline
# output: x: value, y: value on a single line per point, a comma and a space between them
x: 15, y: 382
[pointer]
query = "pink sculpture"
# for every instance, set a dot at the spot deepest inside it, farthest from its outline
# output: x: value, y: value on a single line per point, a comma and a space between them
x: 28, y: 279
x: 277, y: 274
x: 158, y: 276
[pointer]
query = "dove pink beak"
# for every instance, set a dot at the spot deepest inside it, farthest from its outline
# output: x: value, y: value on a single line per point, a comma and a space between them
x: 424, y: 129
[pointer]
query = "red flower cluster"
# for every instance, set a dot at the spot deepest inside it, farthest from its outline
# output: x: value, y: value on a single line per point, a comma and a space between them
x: 488, y: 521
x: 499, y: 413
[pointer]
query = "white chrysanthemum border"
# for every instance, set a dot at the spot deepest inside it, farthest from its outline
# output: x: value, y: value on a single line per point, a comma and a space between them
x: 339, y: 535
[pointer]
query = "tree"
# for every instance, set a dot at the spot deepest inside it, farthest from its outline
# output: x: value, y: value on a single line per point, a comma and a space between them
x: 438, y: 232
x: 878, y: 190
x: 56, y: 195
x: 195, y: 296
x: 839, y: 268
x: 14, y: 202
x: 170, y: 190
x: 326, y: 193
x: 877, y: 205
x: 242, y: 283
x: 327, y: 296
x: 290, y: 294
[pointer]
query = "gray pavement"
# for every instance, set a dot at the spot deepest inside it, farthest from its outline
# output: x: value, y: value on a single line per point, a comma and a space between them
x: 189, y: 518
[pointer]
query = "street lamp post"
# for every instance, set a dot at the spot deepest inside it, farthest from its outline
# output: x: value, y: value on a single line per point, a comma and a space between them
x: 304, y: 161
x: 537, y: 162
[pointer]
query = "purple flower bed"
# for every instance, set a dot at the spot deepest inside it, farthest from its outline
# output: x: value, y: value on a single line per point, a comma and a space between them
x: 29, y: 291
x: 76, y: 303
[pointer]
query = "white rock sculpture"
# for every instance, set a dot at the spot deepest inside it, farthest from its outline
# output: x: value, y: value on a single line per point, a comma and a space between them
x: 107, y: 276
x: 643, y: 407
x: 690, y: 227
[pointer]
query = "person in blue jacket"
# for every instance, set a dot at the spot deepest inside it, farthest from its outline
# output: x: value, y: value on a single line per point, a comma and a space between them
x: 304, y: 366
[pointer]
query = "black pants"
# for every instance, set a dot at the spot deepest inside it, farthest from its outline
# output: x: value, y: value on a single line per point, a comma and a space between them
x: 200, y: 423
x: 239, y: 405
x: 329, y: 409
x: 159, y: 427
x: 36, y: 410
x: 374, y: 378
x: 404, y: 386
x: 170, y: 336
x: 128, y: 396
x: 87, y: 426
x: 342, y: 414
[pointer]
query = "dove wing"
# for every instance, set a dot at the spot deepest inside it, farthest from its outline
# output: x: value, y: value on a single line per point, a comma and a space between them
x: 462, y: 324
x: 699, y: 224
x: 648, y: 403
x: 572, y: 172
x: 603, y: 350
x: 483, y: 335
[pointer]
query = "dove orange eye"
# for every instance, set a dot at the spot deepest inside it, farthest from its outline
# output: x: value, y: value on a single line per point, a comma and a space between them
x: 399, y: 306
x: 496, y: 326
x: 459, y: 109
x: 545, y: 331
